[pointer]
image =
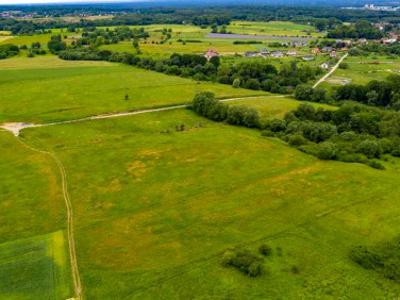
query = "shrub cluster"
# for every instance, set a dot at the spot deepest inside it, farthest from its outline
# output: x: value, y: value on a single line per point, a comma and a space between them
x: 352, y: 133
x: 383, y: 258
x: 376, y: 93
x: 206, y: 105
x: 244, y: 261
x: 8, y: 50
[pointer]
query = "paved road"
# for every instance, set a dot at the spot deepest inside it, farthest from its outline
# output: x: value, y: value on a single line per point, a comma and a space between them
x: 330, y: 72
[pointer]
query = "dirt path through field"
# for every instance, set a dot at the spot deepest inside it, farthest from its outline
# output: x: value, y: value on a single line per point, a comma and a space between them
x: 330, y: 72
x: 70, y: 219
x: 16, y: 127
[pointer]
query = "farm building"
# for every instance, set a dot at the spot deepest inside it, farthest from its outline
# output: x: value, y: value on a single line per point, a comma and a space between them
x: 210, y: 54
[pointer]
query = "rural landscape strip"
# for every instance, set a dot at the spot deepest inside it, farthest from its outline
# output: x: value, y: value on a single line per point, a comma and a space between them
x: 70, y: 220
x: 16, y: 127
x: 325, y: 77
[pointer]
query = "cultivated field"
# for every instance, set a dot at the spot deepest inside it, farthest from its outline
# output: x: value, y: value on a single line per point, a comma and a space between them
x: 35, y: 268
x: 362, y: 69
x: 75, y: 89
x: 193, y: 39
x: 276, y: 28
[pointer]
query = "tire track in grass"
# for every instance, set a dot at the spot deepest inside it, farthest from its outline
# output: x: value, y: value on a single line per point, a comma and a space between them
x: 16, y: 127
x: 70, y: 219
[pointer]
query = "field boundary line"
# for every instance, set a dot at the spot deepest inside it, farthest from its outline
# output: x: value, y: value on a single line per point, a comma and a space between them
x: 325, y: 77
x: 70, y: 225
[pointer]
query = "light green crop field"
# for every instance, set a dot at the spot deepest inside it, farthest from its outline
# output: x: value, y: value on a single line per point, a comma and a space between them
x: 277, y: 28
x: 35, y: 268
x: 33, y: 260
x: 155, y: 208
x: 75, y: 89
x: 275, y: 106
x: 362, y: 70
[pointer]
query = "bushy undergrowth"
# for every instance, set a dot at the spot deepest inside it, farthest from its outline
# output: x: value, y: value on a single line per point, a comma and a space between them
x: 383, y: 258
x: 353, y: 133
x: 244, y: 261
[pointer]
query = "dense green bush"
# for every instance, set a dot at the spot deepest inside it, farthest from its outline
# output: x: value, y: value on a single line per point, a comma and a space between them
x: 352, y: 133
x: 206, y: 105
x: 244, y: 261
x: 265, y: 250
x: 8, y: 50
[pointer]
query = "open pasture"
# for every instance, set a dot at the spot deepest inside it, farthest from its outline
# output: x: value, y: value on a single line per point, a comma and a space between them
x: 79, y: 89
x: 362, y: 70
x: 275, y: 106
x: 156, y: 207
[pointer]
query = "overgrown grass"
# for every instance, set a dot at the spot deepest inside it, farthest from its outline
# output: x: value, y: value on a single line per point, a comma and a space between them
x: 70, y: 91
x: 155, y: 209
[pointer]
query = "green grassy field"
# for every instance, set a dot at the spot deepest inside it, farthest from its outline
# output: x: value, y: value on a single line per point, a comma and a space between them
x: 155, y: 223
x: 38, y: 92
x: 277, y: 28
x: 155, y: 208
x: 33, y: 261
x: 35, y: 268
x: 362, y: 70
x: 275, y: 106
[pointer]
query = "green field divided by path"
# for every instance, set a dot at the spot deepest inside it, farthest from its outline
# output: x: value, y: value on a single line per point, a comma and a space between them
x: 72, y: 90
x: 35, y: 268
x: 157, y: 207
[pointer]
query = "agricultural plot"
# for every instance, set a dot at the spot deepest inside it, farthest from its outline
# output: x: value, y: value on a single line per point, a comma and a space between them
x: 193, y: 39
x: 362, y: 70
x: 35, y: 268
x: 155, y: 224
x: 275, y: 28
x: 75, y: 89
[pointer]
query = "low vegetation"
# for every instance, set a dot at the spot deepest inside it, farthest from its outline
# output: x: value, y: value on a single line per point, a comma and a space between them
x: 383, y: 258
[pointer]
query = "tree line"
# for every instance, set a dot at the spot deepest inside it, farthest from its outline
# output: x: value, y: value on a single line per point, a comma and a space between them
x: 351, y: 133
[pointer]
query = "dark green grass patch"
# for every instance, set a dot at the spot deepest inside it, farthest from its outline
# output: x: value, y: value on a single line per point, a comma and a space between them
x: 35, y: 268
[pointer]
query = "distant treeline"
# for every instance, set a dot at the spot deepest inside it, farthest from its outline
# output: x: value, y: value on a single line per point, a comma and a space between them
x: 323, y: 18
x: 255, y: 75
x: 361, y: 29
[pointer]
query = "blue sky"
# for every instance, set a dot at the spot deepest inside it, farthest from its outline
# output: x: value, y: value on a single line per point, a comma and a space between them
x: 58, y: 1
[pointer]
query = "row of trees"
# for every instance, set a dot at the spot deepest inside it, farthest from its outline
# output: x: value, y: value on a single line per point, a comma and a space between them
x: 352, y: 133
x: 258, y: 74
x: 205, y: 104
x: 254, y: 74
x: 96, y: 37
